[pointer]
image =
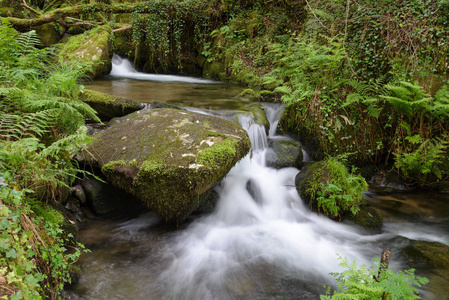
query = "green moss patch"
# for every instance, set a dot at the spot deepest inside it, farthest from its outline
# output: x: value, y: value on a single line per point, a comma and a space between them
x: 108, y: 106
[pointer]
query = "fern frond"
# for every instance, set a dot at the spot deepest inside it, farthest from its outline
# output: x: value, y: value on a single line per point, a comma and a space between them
x: 64, y: 147
x: 28, y: 41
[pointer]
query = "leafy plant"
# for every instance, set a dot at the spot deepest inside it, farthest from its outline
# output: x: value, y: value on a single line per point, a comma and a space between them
x: 365, y: 283
x: 33, y: 257
x: 333, y: 190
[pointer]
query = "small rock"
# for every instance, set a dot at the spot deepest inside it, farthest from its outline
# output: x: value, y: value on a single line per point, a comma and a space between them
x: 78, y: 192
x: 73, y: 205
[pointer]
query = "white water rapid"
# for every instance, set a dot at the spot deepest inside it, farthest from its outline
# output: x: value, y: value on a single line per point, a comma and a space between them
x: 122, y: 68
x: 259, y: 235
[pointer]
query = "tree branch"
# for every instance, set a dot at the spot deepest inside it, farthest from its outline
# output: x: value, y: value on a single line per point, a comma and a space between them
x: 24, y: 4
x: 128, y: 26
x: 61, y: 13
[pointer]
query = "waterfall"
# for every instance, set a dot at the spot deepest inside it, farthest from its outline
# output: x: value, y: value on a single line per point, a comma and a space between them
x: 259, y: 230
x: 122, y: 68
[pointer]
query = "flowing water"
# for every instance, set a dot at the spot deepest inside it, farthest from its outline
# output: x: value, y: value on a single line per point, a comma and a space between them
x: 259, y: 243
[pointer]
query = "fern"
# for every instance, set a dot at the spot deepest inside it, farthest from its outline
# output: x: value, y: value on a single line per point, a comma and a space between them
x: 364, y: 284
x: 430, y: 159
x: 28, y: 41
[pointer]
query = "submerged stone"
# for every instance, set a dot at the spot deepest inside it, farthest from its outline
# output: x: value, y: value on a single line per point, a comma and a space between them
x: 168, y: 158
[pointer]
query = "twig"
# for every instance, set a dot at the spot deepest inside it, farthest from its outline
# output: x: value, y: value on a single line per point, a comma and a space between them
x: 316, y: 17
x: 24, y: 4
x: 128, y: 26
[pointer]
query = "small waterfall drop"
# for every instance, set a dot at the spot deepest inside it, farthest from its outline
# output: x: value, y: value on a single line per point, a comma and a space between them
x: 273, y: 112
x: 122, y: 68
x: 261, y: 230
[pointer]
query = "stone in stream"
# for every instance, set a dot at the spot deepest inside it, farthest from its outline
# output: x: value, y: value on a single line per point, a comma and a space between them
x: 108, y: 106
x: 283, y: 153
x: 168, y: 158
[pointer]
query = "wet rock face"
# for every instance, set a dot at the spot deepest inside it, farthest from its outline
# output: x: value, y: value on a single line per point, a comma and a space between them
x: 284, y: 153
x: 168, y: 158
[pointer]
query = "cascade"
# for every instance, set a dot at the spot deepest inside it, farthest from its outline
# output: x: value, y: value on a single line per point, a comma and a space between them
x: 260, y: 242
x: 122, y: 68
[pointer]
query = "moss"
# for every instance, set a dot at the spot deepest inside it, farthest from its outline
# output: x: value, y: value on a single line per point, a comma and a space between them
x: 214, y: 70
x: 92, y: 47
x: 437, y: 255
x: 49, y: 214
x: 218, y: 155
x: 328, y: 187
x: 248, y: 94
x: 48, y: 34
x: 108, y: 106
x: 5, y: 11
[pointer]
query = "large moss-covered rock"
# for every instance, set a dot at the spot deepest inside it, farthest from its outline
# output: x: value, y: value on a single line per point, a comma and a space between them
x: 92, y: 47
x: 108, y: 106
x: 168, y: 158
x: 48, y: 34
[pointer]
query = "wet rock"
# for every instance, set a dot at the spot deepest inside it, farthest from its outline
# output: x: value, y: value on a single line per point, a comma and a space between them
x: 367, y: 217
x: 168, y: 158
x: 92, y: 47
x: 73, y: 205
x: 104, y: 198
x: 108, y: 106
x: 437, y: 256
x: 284, y: 153
x: 78, y: 193
x: 254, y: 190
x: 157, y: 104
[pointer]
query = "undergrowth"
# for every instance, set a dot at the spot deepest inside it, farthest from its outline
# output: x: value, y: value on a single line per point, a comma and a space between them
x: 41, y: 129
x: 363, y: 283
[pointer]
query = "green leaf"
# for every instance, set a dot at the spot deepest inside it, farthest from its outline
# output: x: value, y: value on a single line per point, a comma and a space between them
x: 11, y: 253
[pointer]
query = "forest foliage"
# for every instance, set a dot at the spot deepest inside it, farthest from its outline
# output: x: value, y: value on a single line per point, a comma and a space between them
x: 41, y: 126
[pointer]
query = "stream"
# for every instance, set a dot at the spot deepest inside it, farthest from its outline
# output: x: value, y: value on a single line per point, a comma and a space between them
x: 260, y: 245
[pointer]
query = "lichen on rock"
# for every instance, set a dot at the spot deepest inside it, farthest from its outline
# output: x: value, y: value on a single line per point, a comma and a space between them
x: 168, y: 158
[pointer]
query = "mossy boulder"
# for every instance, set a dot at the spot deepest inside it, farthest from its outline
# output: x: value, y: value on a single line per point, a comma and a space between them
x: 437, y: 257
x: 284, y: 153
x: 93, y: 47
x: 329, y: 188
x: 168, y: 158
x: 366, y: 217
x: 108, y: 106
x: 48, y: 34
